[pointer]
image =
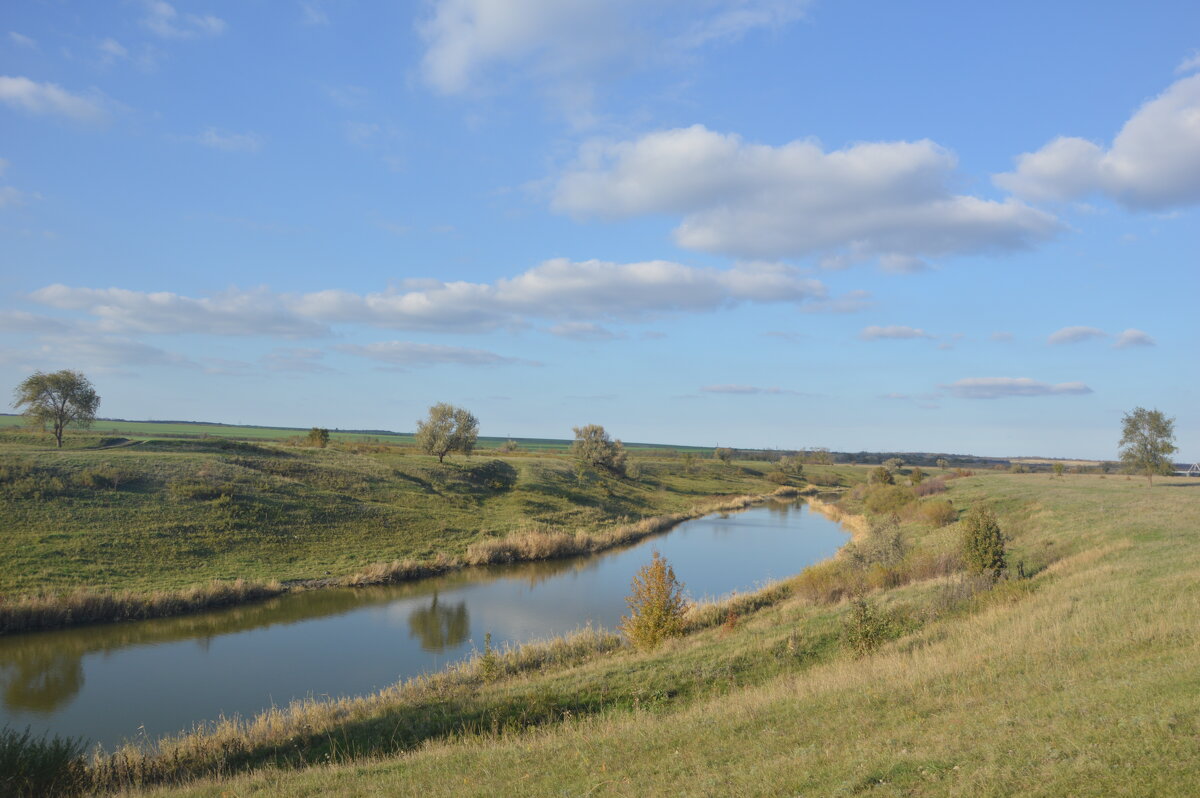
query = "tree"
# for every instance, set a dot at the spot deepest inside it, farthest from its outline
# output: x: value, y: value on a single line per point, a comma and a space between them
x: 1147, y: 442
x: 593, y: 447
x: 880, y: 475
x: 983, y: 542
x: 942, y: 462
x: 319, y: 437
x: 58, y: 399
x: 916, y: 476
x: 656, y: 605
x: 893, y: 464
x: 724, y: 454
x: 447, y: 429
x: 1059, y: 468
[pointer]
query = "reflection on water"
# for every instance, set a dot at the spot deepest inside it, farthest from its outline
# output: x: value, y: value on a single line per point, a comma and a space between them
x: 439, y: 626
x: 106, y: 682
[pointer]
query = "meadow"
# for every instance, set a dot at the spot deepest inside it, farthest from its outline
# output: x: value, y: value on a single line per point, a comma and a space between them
x: 1077, y: 679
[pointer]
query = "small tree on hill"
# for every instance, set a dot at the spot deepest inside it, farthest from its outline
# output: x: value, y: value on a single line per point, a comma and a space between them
x: 916, y: 476
x: 893, y: 464
x: 447, y: 429
x: 881, y: 476
x: 656, y: 605
x: 1059, y: 468
x: 724, y: 454
x: 319, y: 437
x: 942, y: 462
x: 983, y: 542
x: 1147, y: 442
x: 57, y: 400
x: 592, y: 447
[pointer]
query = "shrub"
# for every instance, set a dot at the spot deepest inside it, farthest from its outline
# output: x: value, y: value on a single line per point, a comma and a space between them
x: 778, y: 478
x: 39, y: 766
x: 318, y: 437
x: 983, y: 542
x: 592, y: 447
x: 929, y: 488
x: 508, y: 446
x: 881, y: 476
x: 883, y: 499
x: 825, y: 480
x: 938, y: 512
x: 656, y: 605
x: 200, y: 489
x: 917, y: 476
x: 866, y: 628
x: 99, y: 477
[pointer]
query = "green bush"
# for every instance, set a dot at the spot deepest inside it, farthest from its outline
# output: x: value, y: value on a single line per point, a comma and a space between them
x: 104, y: 477
x: 983, y: 542
x: 866, y: 628
x: 881, y: 476
x: 778, y: 478
x: 938, y: 512
x: 40, y: 766
x: 885, y: 499
x: 656, y: 605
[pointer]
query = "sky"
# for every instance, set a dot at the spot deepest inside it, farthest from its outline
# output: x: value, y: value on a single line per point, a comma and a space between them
x: 928, y: 226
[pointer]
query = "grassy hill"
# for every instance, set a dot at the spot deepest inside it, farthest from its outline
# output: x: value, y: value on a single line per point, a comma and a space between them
x: 1079, y: 679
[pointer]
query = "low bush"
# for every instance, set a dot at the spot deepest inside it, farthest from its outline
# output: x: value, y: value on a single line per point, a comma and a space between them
x: 983, y: 542
x: 778, y: 478
x: 104, y: 477
x: 40, y: 766
x: 938, y: 512
x: 887, y: 499
x: 866, y: 628
x: 930, y: 487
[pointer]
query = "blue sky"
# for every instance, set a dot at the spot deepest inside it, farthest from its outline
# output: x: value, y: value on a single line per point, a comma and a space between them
x: 925, y: 226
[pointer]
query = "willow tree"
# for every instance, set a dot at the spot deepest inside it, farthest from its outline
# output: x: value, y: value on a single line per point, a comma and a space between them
x: 447, y: 429
x: 57, y: 400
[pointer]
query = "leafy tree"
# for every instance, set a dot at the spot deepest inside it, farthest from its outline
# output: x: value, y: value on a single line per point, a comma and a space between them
x: 447, y: 429
x: 1059, y: 468
x: 593, y: 447
x: 942, y: 462
x: 724, y: 454
x: 881, y: 476
x: 1147, y: 442
x: 656, y: 605
x: 792, y: 465
x: 57, y: 400
x: 319, y: 437
x: 821, y: 456
x: 917, y: 476
x: 983, y: 542
x: 893, y: 464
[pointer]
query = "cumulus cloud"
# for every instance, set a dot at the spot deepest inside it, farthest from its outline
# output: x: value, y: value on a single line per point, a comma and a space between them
x: 558, y: 290
x: 1003, y: 387
x: 1190, y: 63
x: 894, y: 332
x: 233, y: 312
x: 163, y: 20
x: 1132, y: 338
x: 878, y: 199
x: 1073, y: 335
x: 1152, y: 164
x: 49, y: 99
x: 554, y: 40
x: 229, y: 142
x: 408, y: 353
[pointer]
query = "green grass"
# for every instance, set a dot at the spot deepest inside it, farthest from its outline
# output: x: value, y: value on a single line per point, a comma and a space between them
x: 1080, y: 680
x: 168, y: 514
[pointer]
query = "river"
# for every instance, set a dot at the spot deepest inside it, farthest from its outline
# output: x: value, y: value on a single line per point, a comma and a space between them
x: 140, y: 680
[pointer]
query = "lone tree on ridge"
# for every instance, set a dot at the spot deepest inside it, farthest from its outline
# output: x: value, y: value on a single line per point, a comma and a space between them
x: 1147, y: 442
x: 447, y: 429
x: 56, y: 400
x: 592, y: 447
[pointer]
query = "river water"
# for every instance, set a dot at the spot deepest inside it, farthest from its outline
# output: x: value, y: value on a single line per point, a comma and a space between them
x: 138, y: 680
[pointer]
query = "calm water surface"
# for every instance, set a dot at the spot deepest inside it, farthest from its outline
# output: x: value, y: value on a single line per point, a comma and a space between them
x: 125, y: 681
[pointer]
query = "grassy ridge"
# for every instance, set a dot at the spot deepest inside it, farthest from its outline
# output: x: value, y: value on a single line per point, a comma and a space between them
x: 1080, y: 680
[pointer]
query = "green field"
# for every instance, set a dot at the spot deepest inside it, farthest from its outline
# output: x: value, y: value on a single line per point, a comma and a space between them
x: 169, y: 513
x: 1079, y: 679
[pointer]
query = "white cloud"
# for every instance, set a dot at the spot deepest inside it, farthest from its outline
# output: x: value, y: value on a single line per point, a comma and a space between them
x: 1003, y: 387
x: 552, y: 40
x: 408, y: 353
x: 1073, y: 335
x: 875, y: 199
x: 849, y: 302
x: 583, y: 331
x: 21, y: 322
x: 163, y: 20
x: 893, y: 332
x: 101, y: 353
x: 1152, y: 164
x: 1192, y: 62
x: 48, y: 98
x: 558, y: 290
x: 111, y: 50
x: 229, y: 142
x: 903, y: 264
x: 747, y: 390
x: 21, y: 40
x: 231, y: 313
x: 1131, y: 338
x: 11, y: 197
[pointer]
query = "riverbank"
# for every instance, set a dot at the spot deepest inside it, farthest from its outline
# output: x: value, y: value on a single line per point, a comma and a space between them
x: 1080, y: 675
x: 84, y: 606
